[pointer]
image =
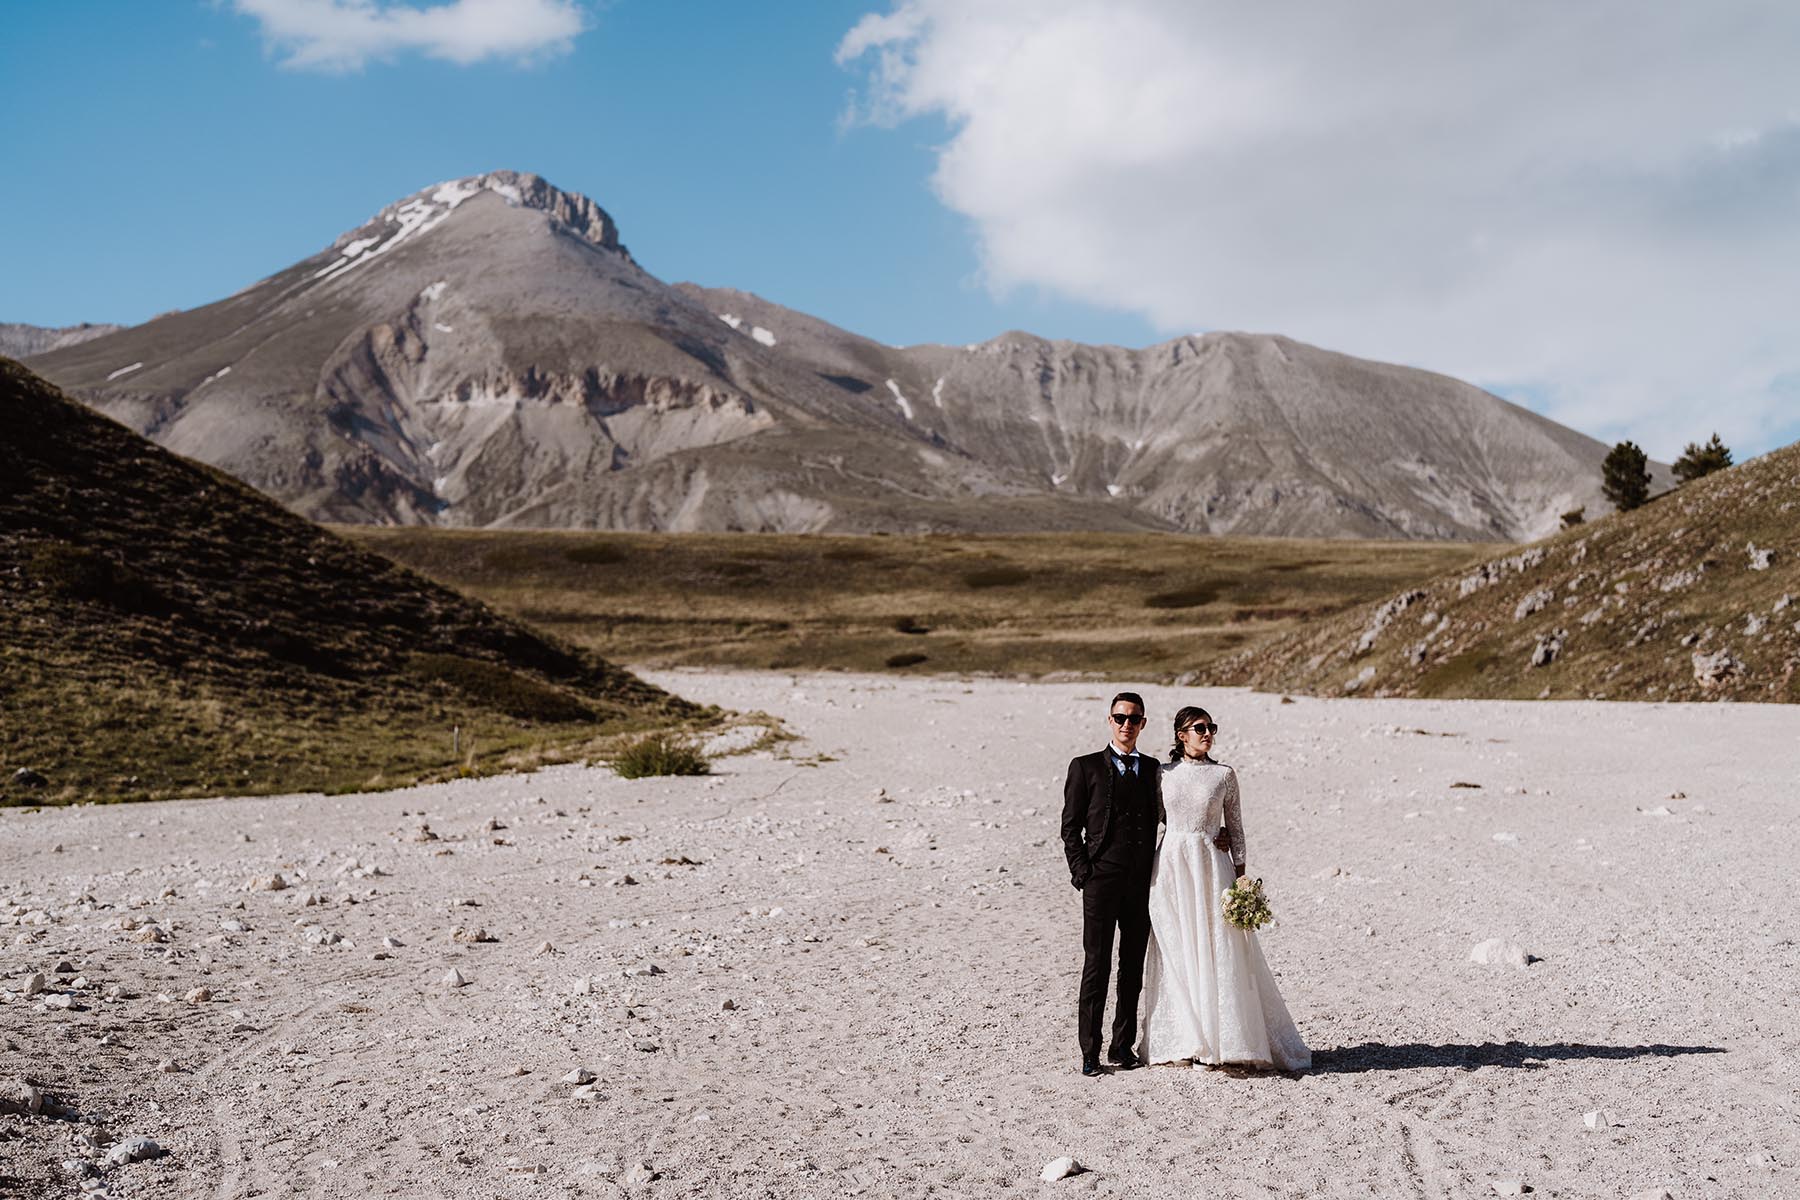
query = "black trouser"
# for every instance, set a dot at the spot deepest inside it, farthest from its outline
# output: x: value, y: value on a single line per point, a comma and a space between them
x: 1117, y: 893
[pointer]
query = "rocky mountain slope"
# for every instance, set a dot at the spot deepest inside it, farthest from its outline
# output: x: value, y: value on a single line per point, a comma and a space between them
x: 165, y: 630
x: 1694, y: 596
x: 486, y: 352
x: 21, y: 341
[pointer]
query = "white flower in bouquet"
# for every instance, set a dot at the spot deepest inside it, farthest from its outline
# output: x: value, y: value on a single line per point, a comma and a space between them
x: 1246, y: 907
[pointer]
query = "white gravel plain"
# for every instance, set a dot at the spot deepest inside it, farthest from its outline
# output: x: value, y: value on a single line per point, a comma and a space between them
x: 849, y: 968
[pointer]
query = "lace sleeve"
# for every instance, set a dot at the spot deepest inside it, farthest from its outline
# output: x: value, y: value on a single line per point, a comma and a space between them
x: 1234, y: 819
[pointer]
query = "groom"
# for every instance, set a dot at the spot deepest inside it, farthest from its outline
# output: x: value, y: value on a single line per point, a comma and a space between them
x: 1111, y: 802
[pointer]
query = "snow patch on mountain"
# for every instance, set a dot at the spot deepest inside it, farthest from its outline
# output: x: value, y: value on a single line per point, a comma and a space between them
x: 123, y: 371
x: 905, y: 404
x: 736, y: 322
x: 762, y: 335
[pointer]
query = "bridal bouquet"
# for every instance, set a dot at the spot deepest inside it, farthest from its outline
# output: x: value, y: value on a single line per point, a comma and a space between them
x: 1245, y: 905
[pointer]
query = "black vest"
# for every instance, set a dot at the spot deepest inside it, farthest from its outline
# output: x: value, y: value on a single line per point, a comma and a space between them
x: 1131, y: 836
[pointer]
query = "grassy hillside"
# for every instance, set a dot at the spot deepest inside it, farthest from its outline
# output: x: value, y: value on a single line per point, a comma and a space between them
x: 1694, y: 596
x: 1129, y: 606
x: 167, y: 631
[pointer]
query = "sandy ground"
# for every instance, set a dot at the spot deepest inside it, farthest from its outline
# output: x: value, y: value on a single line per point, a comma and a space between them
x: 900, y: 968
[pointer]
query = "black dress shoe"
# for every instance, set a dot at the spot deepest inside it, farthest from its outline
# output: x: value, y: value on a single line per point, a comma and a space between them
x: 1126, y: 1061
x: 1090, y: 1066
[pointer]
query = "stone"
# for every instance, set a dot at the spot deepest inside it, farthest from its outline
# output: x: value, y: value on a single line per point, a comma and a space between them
x: 544, y: 948
x: 233, y: 925
x: 1532, y: 602
x: 59, y: 1001
x: 25, y: 777
x: 132, y: 1150
x: 392, y: 943
x: 579, y: 1075
x: 274, y: 883
x: 1598, y: 1118
x: 35, y: 984
x: 167, y: 1067
x: 1716, y: 669
x: 639, y: 1173
x: 1653, y: 1194
x: 470, y: 937
x: 1498, y: 950
x: 643, y: 969
x: 1510, y: 1187
x: 199, y: 995
x: 29, y: 1100
x: 728, y: 1005
x: 1548, y: 647
x: 588, y: 1091
x: 453, y: 978
x: 494, y: 825
x: 63, y: 967
x: 1060, y: 1168
x: 1760, y: 560
x: 424, y: 834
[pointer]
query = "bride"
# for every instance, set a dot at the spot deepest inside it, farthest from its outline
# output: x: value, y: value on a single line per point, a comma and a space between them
x: 1209, y: 996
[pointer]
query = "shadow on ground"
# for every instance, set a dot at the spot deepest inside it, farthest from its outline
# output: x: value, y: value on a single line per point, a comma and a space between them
x: 1380, y: 1056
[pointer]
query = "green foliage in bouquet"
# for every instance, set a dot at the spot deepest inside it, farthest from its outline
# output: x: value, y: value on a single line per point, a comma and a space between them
x: 1245, y: 905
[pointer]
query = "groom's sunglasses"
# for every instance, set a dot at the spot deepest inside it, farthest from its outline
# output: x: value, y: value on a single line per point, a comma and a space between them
x: 1201, y: 727
x: 1123, y: 719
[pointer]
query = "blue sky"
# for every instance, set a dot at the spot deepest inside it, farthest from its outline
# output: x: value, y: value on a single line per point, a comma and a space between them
x: 1588, y: 208
x: 175, y: 159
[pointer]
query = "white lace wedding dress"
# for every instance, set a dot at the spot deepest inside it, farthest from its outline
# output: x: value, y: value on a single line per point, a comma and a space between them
x: 1208, y: 994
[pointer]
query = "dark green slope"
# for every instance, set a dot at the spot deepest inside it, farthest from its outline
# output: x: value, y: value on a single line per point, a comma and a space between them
x: 166, y: 630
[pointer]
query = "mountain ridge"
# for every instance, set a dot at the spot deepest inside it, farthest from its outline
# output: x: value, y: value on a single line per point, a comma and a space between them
x: 486, y: 352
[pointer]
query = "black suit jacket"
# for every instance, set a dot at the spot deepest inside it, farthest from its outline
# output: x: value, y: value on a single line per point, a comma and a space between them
x: 1088, y: 809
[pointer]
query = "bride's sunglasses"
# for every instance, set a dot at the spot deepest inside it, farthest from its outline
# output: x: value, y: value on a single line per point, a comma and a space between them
x: 1201, y: 727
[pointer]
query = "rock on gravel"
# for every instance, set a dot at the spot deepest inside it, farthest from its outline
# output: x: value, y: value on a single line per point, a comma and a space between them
x: 579, y: 1075
x: 453, y: 978
x: 1498, y: 950
x: 639, y: 1173
x: 1060, y: 1168
x: 132, y: 1150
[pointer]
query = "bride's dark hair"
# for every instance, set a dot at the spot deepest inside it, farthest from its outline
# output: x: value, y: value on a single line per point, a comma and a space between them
x: 1187, y: 716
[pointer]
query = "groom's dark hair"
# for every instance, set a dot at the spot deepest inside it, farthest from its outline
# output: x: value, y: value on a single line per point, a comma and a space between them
x: 1129, y: 698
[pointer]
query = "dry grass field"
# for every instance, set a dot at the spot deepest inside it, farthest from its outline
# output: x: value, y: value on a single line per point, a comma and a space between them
x: 1130, y: 606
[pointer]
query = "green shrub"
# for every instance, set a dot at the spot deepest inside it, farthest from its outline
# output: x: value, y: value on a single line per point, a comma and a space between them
x: 501, y: 688
x: 988, y: 577
x: 905, y: 660
x: 81, y: 573
x: 660, y: 754
x: 595, y: 554
x: 1191, y: 597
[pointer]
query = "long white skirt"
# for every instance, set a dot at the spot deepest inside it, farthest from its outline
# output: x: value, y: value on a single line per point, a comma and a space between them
x: 1208, y: 993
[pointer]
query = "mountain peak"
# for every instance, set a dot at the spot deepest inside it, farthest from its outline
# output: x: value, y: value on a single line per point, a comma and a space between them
x: 420, y: 212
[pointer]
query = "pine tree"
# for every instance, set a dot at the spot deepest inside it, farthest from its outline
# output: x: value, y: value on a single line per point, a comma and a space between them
x: 1625, y: 477
x: 1696, y: 461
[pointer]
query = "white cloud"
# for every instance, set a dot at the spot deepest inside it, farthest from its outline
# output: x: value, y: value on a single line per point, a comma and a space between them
x: 1594, y: 205
x: 340, y: 35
